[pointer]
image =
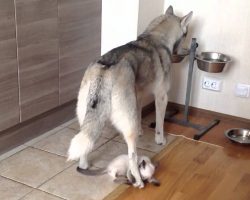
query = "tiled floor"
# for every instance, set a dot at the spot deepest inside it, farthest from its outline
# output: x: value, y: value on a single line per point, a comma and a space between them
x: 38, y: 170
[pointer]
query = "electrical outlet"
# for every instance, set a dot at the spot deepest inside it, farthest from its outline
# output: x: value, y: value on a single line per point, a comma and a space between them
x: 242, y: 90
x: 211, y: 84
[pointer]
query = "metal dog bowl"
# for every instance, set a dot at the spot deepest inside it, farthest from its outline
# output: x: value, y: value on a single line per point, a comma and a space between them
x: 176, y: 58
x: 238, y: 135
x: 212, y: 62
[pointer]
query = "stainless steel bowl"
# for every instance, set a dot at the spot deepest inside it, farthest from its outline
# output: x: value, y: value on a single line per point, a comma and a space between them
x: 212, y: 62
x: 238, y: 135
x: 176, y: 58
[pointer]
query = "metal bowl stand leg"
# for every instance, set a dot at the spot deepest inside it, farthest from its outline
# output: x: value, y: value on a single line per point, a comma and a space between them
x: 202, y: 130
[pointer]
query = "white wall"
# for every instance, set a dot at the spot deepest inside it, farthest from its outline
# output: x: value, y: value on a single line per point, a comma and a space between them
x: 119, y: 22
x: 148, y: 10
x: 222, y: 26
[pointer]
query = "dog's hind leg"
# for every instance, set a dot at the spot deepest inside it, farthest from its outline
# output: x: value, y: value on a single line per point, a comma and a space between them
x: 161, y: 100
x: 83, y: 143
x: 125, y: 119
x: 139, y: 110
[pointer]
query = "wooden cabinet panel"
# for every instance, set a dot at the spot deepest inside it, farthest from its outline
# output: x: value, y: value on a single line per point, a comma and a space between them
x: 79, y: 42
x: 9, y: 100
x: 37, y: 38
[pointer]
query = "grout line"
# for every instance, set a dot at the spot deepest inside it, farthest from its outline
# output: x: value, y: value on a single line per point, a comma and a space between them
x: 26, y: 194
x: 38, y: 187
x: 72, y: 129
x: 18, y: 67
x: 48, y: 152
x: 51, y: 194
x: 8, y: 178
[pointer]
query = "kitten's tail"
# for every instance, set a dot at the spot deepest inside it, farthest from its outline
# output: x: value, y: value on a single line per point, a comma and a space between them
x: 95, y: 172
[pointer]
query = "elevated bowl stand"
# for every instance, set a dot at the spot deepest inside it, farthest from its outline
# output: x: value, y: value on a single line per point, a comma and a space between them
x: 169, y: 116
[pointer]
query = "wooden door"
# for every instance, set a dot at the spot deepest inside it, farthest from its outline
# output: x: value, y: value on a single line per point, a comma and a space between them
x: 79, y: 42
x: 9, y: 105
x: 37, y: 38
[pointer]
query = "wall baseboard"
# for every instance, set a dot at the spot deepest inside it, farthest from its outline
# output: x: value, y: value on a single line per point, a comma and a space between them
x: 34, y: 127
x: 23, y: 132
x: 245, y: 123
x: 207, y: 113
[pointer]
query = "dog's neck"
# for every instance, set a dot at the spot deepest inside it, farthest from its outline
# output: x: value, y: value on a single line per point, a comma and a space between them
x: 158, y: 40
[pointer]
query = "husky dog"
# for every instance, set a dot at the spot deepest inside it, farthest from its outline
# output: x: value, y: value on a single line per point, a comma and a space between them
x: 119, y: 170
x: 113, y: 86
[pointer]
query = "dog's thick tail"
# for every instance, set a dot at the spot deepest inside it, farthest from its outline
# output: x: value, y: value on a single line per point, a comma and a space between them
x: 94, y: 172
x: 93, y: 109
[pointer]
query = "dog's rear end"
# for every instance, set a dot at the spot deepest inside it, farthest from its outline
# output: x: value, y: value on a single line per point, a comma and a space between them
x: 93, y: 107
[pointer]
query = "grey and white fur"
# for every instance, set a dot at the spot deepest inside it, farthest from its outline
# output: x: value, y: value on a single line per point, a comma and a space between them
x: 114, y: 85
x: 119, y: 170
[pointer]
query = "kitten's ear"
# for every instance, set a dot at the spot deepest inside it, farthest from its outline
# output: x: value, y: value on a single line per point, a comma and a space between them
x: 143, y: 164
x: 154, y: 181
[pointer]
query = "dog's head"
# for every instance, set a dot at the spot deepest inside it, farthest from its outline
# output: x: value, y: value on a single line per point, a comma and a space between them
x: 170, y: 28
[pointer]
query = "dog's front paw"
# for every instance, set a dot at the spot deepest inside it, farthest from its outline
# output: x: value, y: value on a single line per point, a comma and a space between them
x: 159, y: 139
x: 139, y: 184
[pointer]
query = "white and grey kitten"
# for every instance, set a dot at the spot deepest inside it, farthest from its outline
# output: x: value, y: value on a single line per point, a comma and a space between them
x: 118, y: 169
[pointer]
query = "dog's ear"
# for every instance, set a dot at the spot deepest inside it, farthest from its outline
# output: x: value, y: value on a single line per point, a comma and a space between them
x: 186, y: 19
x: 169, y: 11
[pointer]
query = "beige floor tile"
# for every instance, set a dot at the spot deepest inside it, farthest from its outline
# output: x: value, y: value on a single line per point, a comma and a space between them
x: 59, y: 143
x: 68, y: 122
x: 12, y: 152
x: 109, y: 131
x: 148, y: 119
x: 32, y: 166
x: 74, y: 125
x: 43, y: 136
x: 40, y: 195
x: 71, y: 185
x: 107, y: 152
x: 11, y: 190
x: 147, y: 140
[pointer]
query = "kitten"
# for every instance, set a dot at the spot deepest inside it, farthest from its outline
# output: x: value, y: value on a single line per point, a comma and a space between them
x: 118, y: 169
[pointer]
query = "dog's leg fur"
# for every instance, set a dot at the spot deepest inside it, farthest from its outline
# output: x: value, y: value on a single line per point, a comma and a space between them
x: 125, y: 119
x: 139, y: 110
x: 82, y: 143
x: 161, y: 99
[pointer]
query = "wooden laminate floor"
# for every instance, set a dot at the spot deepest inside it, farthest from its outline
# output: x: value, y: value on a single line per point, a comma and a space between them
x: 191, y: 170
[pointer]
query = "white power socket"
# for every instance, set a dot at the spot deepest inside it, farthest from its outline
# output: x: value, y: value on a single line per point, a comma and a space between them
x: 242, y: 90
x: 211, y: 84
